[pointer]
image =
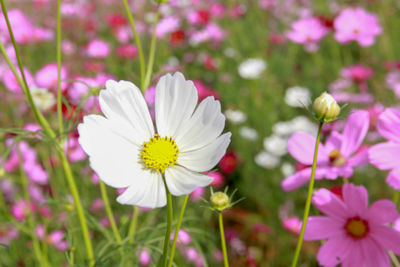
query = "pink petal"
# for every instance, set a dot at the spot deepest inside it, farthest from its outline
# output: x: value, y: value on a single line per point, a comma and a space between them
x: 354, y: 132
x: 387, y: 237
x: 382, y: 212
x: 360, y: 158
x: 334, y: 141
x: 334, y: 251
x: 330, y: 204
x: 393, y: 179
x: 385, y: 156
x: 374, y: 254
x: 354, y: 256
x: 356, y: 199
x: 300, y: 178
x: 321, y: 227
x: 389, y: 124
x: 301, y: 146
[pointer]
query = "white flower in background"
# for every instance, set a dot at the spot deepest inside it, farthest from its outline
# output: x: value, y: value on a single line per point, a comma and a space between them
x: 276, y: 145
x: 127, y: 152
x: 287, y: 169
x: 252, y: 68
x: 248, y: 133
x: 235, y: 116
x: 43, y: 98
x: 267, y: 160
x: 299, y: 123
x: 298, y: 96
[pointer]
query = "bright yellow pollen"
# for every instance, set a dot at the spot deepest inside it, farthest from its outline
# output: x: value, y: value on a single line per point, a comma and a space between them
x: 357, y: 228
x: 159, y: 153
x: 336, y: 158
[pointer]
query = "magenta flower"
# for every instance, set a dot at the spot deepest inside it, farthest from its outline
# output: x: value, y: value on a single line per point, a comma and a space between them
x: 98, y: 49
x: 356, y: 24
x: 337, y: 157
x: 386, y: 156
x: 47, y: 77
x: 307, y: 30
x: 356, y: 235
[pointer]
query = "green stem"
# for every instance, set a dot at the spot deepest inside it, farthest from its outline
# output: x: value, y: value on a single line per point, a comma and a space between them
x: 110, y: 214
x: 78, y: 205
x: 169, y: 226
x: 223, y: 244
x: 178, y: 226
x: 396, y: 196
x: 132, y: 227
x: 138, y: 44
x: 153, y: 43
x: 38, y: 115
x: 59, y: 104
x: 308, y: 202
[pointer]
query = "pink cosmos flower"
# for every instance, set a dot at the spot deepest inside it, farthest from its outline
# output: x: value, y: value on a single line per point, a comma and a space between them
x: 356, y: 24
x: 98, y: 49
x: 11, y: 82
x: 307, y: 30
x: 167, y: 25
x: 386, y: 156
x: 393, y: 82
x: 337, y: 157
x: 356, y: 235
x: 127, y: 51
x: 54, y: 239
x: 292, y: 224
x: 197, y: 194
x: 47, y: 77
x: 357, y: 73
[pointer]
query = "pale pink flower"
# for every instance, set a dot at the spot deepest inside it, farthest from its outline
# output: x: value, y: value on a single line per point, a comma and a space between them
x: 11, y: 82
x: 393, y: 82
x: 20, y: 209
x: 386, y: 156
x: 356, y: 24
x: 98, y: 49
x: 307, y: 30
x: 167, y: 25
x: 47, y: 77
x: 292, y: 224
x: 337, y: 157
x: 73, y: 150
x: 144, y: 258
x: 356, y: 235
x: 197, y: 194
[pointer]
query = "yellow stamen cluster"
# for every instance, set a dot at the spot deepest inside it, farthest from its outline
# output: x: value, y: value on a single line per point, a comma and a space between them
x: 357, y: 228
x: 159, y: 153
x: 336, y: 158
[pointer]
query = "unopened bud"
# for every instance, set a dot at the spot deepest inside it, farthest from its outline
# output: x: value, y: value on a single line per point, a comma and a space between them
x: 220, y: 201
x: 326, y: 107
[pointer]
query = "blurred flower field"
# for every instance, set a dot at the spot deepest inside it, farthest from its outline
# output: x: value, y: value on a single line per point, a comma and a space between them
x: 79, y: 189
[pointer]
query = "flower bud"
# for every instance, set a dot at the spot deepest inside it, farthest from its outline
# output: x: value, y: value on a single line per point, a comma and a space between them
x: 220, y: 201
x: 326, y: 108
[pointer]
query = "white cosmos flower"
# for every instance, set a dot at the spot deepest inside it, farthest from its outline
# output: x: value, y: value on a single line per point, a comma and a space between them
x: 127, y: 151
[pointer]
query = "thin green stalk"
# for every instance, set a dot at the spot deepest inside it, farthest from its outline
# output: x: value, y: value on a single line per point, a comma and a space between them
x: 223, y: 244
x: 308, y: 202
x: 78, y: 205
x: 169, y: 226
x: 178, y: 226
x: 396, y: 196
x: 138, y: 44
x: 38, y: 115
x: 35, y: 242
x: 153, y: 43
x: 110, y: 214
x: 133, y: 225
x: 59, y: 104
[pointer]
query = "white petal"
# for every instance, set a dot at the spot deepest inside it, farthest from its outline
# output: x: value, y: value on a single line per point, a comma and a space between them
x: 181, y: 181
x: 176, y: 100
x: 203, y: 159
x: 113, y: 157
x: 203, y: 127
x: 148, y: 192
x: 123, y: 103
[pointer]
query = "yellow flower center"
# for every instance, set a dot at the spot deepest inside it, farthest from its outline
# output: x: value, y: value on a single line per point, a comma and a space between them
x: 357, y: 228
x: 159, y: 153
x: 336, y: 158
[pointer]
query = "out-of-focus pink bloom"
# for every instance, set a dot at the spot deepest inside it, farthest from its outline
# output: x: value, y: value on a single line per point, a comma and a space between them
x: 11, y: 82
x: 54, y: 239
x: 277, y: 38
x: 357, y: 73
x: 228, y: 162
x: 20, y: 209
x: 36, y: 194
x: 217, y: 10
x: 94, y: 178
x: 47, y: 77
x: 150, y: 96
x: 97, y: 205
x: 393, y: 82
x: 98, y: 49
x: 356, y: 24
x: 198, y: 17
x: 167, y: 25
x: 386, y: 156
x: 177, y: 37
x: 307, y: 30
x: 266, y: 4
x: 105, y: 222
x: 183, y: 237
x: 396, y: 224
x: 292, y: 224
x: 337, y: 157
x: 218, y: 179
x: 7, y: 189
x: 116, y: 20
x: 197, y: 194
x: 211, y: 33
x: 68, y: 47
x: 127, y: 51
x: 145, y: 258
x: 204, y: 91
x: 356, y: 235
x: 261, y: 228
x: 7, y: 234
x: 33, y: 127
x: 238, y: 11
x: 345, y: 97
x: 73, y: 149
